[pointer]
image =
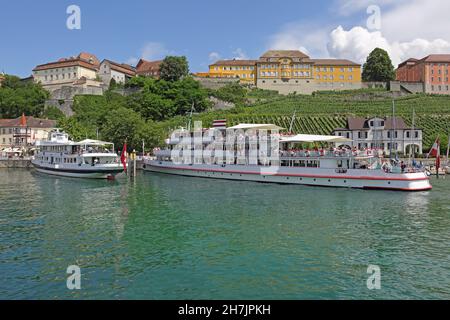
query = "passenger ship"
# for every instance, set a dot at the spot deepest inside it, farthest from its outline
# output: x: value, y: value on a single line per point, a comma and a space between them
x: 333, y: 167
x: 85, y: 159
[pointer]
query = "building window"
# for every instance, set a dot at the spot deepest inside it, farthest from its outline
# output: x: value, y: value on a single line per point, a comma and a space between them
x: 417, y: 134
x: 350, y: 69
x: 350, y: 77
x: 407, y: 134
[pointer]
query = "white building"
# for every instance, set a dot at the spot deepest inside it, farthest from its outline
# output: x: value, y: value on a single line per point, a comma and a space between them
x: 66, y: 72
x: 381, y: 133
x: 120, y: 72
x: 24, y: 131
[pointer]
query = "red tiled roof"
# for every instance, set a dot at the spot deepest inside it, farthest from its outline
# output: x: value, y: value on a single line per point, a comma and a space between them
x: 66, y: 63
x: 31, y: 122
x: 89, y: 57
x: 284, y: 53
x: 84, y: 59
x: 122, y: 67
x: 437, y: 58
x: 145, y: 66
x: 234, y: 62
x: 334, y: 62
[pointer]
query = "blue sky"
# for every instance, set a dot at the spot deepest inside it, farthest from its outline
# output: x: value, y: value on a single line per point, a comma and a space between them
x: 34, y: 32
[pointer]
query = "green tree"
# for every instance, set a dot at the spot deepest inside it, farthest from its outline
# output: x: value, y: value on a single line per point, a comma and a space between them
x: 17, y: 97
x: 123, y: 124
x: 76, y: 129
x: 174, y: 68
x: 232, y: 92
x: 53, y: 113
x: 378, y: 67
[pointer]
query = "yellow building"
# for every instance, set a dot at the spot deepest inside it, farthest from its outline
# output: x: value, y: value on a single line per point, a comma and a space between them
x: 289, y: 71
x: 336, y: 70
x: 244, y: 70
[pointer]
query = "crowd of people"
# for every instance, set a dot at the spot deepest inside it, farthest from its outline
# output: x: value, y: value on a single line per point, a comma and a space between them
x: 332, y: 151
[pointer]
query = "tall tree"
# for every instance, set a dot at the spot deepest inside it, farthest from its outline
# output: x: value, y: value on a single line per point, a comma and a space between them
x: 378, y: 66
x: 174, y: 68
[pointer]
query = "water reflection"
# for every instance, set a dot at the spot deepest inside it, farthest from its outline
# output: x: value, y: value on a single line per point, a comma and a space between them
x: 170, y: 237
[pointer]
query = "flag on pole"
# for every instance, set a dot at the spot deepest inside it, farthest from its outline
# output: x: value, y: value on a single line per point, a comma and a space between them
x: 123, y: 156
x: 435, y: 149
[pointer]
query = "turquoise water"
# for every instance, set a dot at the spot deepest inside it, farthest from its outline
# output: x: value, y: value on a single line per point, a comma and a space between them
x: 169, y: 237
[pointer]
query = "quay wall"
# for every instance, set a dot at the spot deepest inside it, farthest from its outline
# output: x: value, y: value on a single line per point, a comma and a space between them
x: 15, y: 163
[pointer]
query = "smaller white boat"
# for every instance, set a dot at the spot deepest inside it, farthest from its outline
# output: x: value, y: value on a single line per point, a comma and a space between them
x: 85, y: 159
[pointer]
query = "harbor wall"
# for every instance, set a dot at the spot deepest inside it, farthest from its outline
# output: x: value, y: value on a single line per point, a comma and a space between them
x: 15, y: 163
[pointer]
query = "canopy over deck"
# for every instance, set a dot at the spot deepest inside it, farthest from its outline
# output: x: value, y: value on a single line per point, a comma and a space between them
x: 313, y: 138
x: 93, y: 143
x: 246, y: 126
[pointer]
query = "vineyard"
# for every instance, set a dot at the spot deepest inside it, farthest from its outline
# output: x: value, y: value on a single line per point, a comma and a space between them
x: 322, y: 113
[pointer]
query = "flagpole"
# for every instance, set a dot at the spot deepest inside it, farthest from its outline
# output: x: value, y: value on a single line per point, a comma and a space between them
x: 448, y: 146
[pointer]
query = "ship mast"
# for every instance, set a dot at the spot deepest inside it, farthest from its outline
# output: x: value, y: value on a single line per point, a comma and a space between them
x: 292, y: 122
x: 412, y: 151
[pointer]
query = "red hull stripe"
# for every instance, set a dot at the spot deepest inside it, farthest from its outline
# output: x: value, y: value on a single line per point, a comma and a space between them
x: 298, y: 175
x: 400, y: 189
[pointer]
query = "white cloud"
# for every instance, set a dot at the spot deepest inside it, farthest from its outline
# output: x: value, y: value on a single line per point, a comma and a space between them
x: 214, y: 56
x: 308, y: 38
x: 349, y: 7
x: 151, y: 51
x: 409, y: 28
x: 239, y: 54
x: 154, y: 51
x: 356, y: 43
x: 427, y: 19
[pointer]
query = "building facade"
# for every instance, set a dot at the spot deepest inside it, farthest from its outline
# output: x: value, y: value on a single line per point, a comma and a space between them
x: 24, y: 131
x: 120, y: 72
x: 148, y: 68
x: 387, y: 134
x: 66, y: 71
x: 244, y: 70
x: 292, y: 71
x: 432, y: 71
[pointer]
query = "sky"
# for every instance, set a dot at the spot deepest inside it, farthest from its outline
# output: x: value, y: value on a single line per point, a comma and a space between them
x: 36, y: 32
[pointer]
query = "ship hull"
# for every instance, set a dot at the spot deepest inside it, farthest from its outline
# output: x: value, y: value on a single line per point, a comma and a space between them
x: 352, y: 178
x: 100, y: 173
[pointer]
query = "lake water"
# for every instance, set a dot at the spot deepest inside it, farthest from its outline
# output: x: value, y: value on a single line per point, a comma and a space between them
x: 169, y: 237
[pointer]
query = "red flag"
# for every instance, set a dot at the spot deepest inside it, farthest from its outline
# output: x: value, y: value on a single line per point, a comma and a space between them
x: 435, y: 149
x: 123, y: 157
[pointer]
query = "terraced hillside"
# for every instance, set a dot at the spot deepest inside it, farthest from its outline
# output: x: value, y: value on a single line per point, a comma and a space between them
x: 323, y: 112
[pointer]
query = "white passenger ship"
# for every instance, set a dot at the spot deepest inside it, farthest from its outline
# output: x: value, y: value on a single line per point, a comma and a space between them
x: 331, y: 167
x: 85, y: 159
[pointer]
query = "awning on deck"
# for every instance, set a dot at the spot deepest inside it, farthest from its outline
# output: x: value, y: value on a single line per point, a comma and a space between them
x: 313, y: 138
x: 255, y: 126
